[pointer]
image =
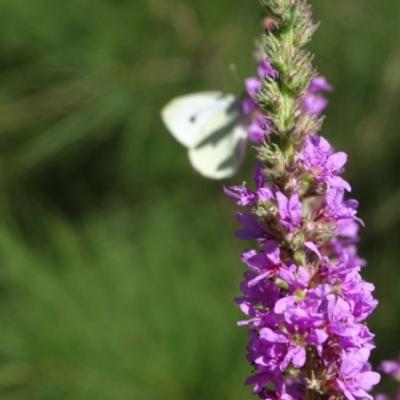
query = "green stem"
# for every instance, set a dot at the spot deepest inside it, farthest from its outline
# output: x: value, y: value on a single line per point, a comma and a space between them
x: 311, y: 394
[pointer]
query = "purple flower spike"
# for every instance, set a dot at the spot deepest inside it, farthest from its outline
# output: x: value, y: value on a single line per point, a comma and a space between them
x: 304, y: 299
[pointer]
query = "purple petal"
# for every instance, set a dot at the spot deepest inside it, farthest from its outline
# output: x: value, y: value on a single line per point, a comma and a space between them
x: 253, y: 86
x: 319, y: 83
x: 314, y: 248
x: 297, y: 355
x: 318, y: 336
x: 260, y: 277
x: 345, y: 391
x: 264, y: 193
x: 247, y: 220
x: 282, y: 205
x: 337, y: 181
x: 259, y: 380
x: 287, y: 274
x: 252, y: 230
x: 264, y: 69
x: 258, y: 175
x: 303, y: 277
x: 242, y: 193
x: 282, y: 304
x: 258, y: 262
x: 336, y: 161
x: 361, y: 356
x: 247, y: 255
x: 368, y: 379
x: 334, y: 196
x: 295, y: 209
x: 272, y: 252
x: 248, y: 234
x: 348, y: 229
x: 323, y: 144
x: 258, y: 129
x: 248, y: 104
x: 314, y: 103
x: 362, y: 394
x: 351, y: 203
x: 230, y: 193
x: 270, y: 336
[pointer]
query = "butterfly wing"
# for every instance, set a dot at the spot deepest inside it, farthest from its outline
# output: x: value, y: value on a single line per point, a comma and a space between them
x: 220, y: 147
x: 185, y: 116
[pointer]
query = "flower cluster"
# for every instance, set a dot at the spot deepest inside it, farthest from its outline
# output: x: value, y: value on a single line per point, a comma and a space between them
x: 303, y: 295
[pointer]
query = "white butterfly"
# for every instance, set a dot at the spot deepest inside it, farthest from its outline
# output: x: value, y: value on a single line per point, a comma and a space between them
x: 212, y: 126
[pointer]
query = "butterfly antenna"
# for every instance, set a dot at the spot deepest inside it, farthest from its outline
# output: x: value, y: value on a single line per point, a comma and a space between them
x: 234, y: 72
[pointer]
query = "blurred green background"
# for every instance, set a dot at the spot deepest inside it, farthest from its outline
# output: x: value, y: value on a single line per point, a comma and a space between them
x: 118, y: 262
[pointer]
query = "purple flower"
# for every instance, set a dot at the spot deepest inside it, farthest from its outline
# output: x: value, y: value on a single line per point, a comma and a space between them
x: 391, y: 367
x: 265, y: 293
x: 259, y: 128
x: 253, y: 86
x: 346, y: 241
x: 313, y: 100
x: 293, y: 352
x: 265, y: 70
x: 246, y: 196
x: 314, y: 103
x: 295, y: 277
x: 242, y: 193
x: 248, y: 104
x: 289, y: 210
x: 252, y: 227
x: 339, y: 209
x: 381, y: 396
x: 319, y: 84
x: 355, y: 377
x: 265, y: 263
x: 318, y: 158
